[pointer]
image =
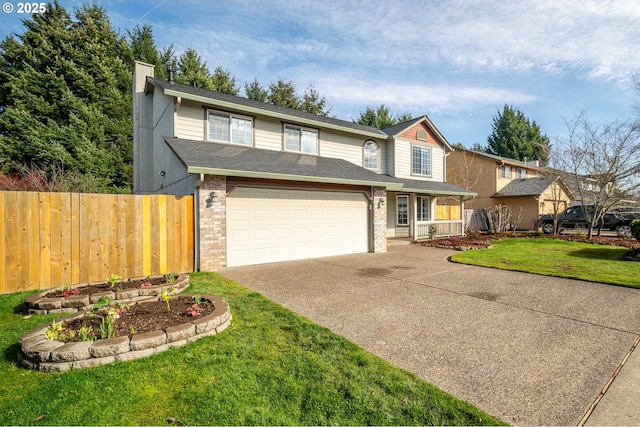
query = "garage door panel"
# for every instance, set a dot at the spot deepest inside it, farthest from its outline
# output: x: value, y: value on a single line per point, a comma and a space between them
x: 269, y: 225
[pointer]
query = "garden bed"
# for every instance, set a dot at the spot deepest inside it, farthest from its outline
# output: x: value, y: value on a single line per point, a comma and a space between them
x: 83, y: 297
x: 157, y: 326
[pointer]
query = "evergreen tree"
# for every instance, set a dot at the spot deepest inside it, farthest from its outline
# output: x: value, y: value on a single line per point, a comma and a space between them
x: 283, y: 94
x: 515, y: 137
x: 381, y: 117
x: 66, y: 100
x: 143, y: 48
x: 256, y: 92
x: 191, y: 69
x: 223, y: 82
x: 313, y: 103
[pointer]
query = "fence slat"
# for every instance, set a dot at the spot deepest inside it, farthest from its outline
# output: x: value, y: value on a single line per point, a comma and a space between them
x: 3, y: 244
x: 45, y: 257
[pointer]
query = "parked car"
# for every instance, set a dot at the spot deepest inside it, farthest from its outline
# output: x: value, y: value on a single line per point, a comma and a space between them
x: 618, y: 219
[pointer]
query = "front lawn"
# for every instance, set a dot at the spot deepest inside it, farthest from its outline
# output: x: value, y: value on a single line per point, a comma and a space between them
x: 561, y: 258
x: 270, y: 367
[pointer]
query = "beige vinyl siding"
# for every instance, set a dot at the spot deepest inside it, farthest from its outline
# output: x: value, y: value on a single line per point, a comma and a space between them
x: 403, y: 160
x: 267, y: 133
x: 190, y: 122
x: 341, y: 147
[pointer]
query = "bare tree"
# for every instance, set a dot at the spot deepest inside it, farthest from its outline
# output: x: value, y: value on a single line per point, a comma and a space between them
x: 600, y: 164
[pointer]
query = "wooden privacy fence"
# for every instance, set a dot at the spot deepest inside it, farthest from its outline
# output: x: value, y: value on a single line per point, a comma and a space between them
x: 53, y: 239
x: 448, y: 212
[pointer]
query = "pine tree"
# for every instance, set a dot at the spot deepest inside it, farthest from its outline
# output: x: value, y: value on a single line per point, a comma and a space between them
x: 256, y: 92
x: 193, y: 70
x: 283, y: 94
x: 67, y: 97
x: 381, y: 117
x: 515, y: 137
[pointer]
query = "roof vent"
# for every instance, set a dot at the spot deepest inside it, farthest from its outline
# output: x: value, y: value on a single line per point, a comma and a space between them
x: 421, y: 135
x: 170, y: 73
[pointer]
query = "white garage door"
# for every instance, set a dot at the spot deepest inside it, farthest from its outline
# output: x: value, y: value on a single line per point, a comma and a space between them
x: 269, y: 225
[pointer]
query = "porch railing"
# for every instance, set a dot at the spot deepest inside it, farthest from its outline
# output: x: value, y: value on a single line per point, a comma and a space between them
x: 435, y: 229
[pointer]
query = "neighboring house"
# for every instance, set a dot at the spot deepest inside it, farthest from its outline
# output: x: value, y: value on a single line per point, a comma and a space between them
x: 276, y: 184
x: 525, y: 187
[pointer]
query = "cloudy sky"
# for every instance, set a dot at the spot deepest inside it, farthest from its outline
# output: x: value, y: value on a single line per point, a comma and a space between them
x: 457, y: 61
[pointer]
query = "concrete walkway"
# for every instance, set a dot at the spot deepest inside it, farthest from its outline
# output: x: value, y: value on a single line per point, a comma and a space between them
x: 530, y: 350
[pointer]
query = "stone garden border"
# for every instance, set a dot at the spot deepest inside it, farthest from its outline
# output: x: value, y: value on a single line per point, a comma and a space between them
x: 37, y: 352
x: 41, y: 303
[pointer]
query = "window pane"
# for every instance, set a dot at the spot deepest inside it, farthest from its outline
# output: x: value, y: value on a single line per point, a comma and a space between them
x: 403, y: 212
x: 417, y: 159
x: 218, y: 127
x: 424, y: 209
x: 309, y: 142
x: 371, y: 155
x: 421, y: 160
x: 291, y: 139
x: 241, y: 132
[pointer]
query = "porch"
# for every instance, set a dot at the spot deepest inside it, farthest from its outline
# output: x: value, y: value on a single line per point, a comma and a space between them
x: 415, y: 216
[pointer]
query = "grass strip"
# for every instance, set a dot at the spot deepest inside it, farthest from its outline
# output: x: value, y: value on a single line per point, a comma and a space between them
x: 270, y: 367
x: 559, y: 258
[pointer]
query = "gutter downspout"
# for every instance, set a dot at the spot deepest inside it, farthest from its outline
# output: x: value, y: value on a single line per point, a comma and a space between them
x: 196, y: 223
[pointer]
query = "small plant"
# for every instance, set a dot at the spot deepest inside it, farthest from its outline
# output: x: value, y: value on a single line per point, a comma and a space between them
x: 146, y: 283
x: 70, y: 293
x: 132, y: 330
x: 85, y: 333
x: 170, y: 277
x: 193, y: 311
x: 108, y: 325
x: 165, y: 296
x: 54, y: 331
x: 197, y: 299
x: 113, y: 279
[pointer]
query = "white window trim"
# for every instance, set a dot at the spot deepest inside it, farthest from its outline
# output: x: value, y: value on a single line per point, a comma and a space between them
x: 230, y: 115
x: 364, y: 155
x: 430, y: 160
x: 302, y: 128
x: 398, y: 197
x: 503, y: 169
x: 419, y: 208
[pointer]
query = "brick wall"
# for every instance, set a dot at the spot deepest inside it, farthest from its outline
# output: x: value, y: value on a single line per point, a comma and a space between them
x: 379, y: 219
x: 213, y: 223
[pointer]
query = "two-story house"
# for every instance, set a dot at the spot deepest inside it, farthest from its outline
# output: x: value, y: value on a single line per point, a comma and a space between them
x: 528, y: 189
x: 275, y: 184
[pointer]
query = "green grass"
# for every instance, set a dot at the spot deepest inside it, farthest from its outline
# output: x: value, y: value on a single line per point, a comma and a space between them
x: 560, y: 258
x: 270, y: 367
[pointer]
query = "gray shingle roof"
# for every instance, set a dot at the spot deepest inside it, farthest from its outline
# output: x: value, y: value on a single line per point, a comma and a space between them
x: 433, y: 187
x: 266, y: 107
x: 525, y: 187
x: 237, y: 160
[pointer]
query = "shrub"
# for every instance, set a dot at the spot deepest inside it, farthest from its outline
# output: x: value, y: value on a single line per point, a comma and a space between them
x: 635, y: 229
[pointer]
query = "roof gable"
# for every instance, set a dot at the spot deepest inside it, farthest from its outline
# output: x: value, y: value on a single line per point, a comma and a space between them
x: 410, y: 130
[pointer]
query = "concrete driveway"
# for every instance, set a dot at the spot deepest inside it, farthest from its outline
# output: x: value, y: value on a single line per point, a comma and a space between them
x: 530, y: 350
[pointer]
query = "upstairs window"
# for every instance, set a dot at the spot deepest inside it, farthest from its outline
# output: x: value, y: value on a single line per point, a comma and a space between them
x: 370, y: 155
x: 301, y: 140
x: 522, y: 173
x: 421, y: 160
x: 505, y: 172
x: 230, y: 128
